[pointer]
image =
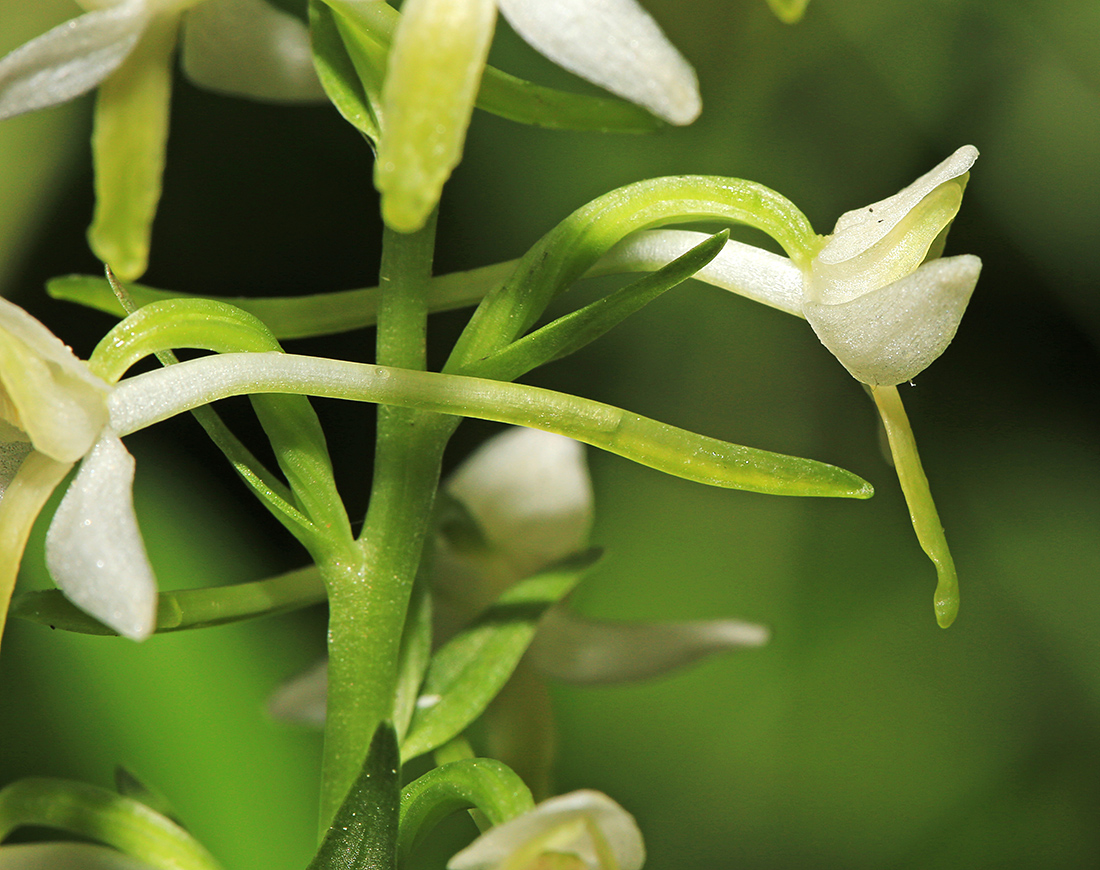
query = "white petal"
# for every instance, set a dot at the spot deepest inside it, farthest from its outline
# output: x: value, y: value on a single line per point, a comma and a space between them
x: 614, y: 44
x: 882, y: 242
x: 303, y: 698
x: 94, y: 550
x: 742, y: 269
x: 70, y: 59
x: 530, y: 492
x: 890, y: 335
x: 577, y: 650
x: 45, y: 390
x: 561, y: 824
x: 249, y: 48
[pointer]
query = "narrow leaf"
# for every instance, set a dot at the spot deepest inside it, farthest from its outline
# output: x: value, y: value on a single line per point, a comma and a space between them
x: 468, y: 672
x: 573, y: 331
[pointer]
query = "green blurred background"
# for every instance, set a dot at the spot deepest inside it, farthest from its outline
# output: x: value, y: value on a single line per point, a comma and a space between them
x: 863, y: 736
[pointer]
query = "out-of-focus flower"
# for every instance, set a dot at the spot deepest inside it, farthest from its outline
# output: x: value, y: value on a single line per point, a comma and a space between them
x: 125, y: 47
x: 582, y: 830
x: 53, y: 412
x: 435, y: 67
x: 529, y: 494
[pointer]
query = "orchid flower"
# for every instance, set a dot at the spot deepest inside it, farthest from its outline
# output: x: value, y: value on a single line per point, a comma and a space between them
x: 879, y: 297
x: 242, y: 47
x: 439, y: 53
x: 54, y: 412
x: 582, y: 830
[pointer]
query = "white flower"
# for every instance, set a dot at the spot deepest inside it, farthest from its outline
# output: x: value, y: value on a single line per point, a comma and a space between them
x: 125, y: 47
x: 586, y: 826
x: 870, y: 295
x: 439, y: 53
x: 53, y: 412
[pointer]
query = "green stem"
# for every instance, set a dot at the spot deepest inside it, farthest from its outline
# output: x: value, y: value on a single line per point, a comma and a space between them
x: 367, y: 607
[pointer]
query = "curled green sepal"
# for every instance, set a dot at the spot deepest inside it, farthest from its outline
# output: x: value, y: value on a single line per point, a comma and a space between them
x: 575, y: 245
x: 363, y: 836
x: 290, y: 422
x: 148, y: 398
x: 470, y: 669
x: 922, y: 510
x: 185, y: 608
x: 570, y: 333
x: 478, y: 783
x: 128, y: 825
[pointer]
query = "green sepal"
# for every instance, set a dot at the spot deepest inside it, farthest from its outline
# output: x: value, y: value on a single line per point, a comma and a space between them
x: 348, y: 84
x: 290, y: 422
x: 185, y: 608
x: 575, y: 330
x: 84, y: 810
x: 363, y: 836
x: 470, y: 669
x: 484, y: 784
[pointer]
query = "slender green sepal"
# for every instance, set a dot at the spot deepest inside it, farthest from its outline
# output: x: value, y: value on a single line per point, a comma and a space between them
x: 573, y: 331
x: 99, y: 814
x: 128, y: 146
x: 922, y: 510
x: 479, y: 783
x: 185, y: 608
x: 289, y: 421
x: 470, y: 669
x: 363, y: 836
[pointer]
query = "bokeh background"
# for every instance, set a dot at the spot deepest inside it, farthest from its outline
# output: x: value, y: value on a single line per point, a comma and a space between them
x: 863, y: 735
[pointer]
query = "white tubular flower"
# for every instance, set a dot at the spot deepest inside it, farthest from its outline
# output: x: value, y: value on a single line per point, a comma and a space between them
x: 582, y: 830
x: 125, y: 47
x: 870, y: 295
x: 435, y: 68
x: 53, y: 412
